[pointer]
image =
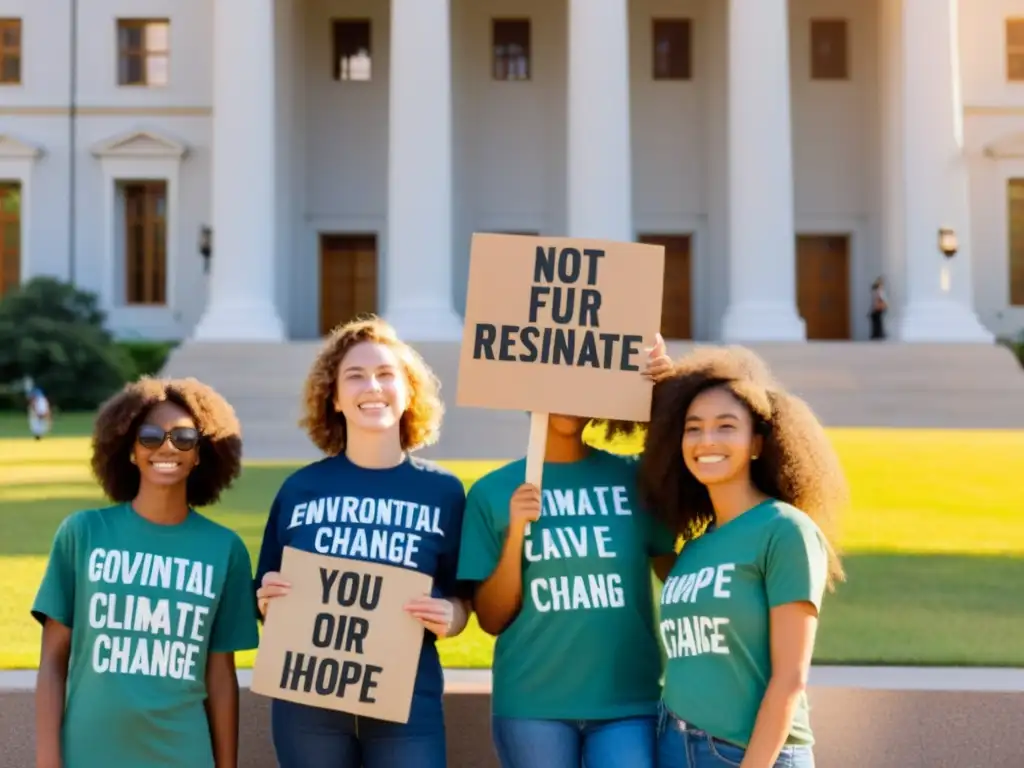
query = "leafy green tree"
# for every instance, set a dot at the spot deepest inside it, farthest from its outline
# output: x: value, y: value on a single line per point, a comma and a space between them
x: 55, y: 333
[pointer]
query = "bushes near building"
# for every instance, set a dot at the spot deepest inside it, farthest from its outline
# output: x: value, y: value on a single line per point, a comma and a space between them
x: 55, y: 334
x: 1015, y: 345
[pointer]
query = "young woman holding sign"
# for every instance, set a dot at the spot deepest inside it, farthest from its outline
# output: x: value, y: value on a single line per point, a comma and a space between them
x: 569, y: 596
x: 746, y: 475
x: 144, y: 603
x: 370, y: 400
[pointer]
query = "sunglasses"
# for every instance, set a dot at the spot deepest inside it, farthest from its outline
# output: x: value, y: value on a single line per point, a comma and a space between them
x: 152, y: 437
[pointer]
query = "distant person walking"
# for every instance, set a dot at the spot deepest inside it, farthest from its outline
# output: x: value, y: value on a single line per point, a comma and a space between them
x: 879, y: 306
x: 40, y: 417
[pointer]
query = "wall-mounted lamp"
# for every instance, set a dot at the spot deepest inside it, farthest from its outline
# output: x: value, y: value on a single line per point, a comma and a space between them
x: 205, y: 246
x: 948, y: 243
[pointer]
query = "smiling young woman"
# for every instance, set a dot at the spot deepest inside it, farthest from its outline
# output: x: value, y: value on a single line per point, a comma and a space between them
x: 745, y: 473
x: 144, y: 603
x: 370, y: 401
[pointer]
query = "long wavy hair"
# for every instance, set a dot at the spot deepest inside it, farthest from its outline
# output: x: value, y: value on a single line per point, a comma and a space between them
x: 797, y: 464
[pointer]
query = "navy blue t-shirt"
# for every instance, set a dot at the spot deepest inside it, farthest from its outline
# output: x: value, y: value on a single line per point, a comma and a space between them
x: 408, y: 516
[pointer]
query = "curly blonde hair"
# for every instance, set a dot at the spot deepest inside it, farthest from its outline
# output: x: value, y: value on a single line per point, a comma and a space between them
x: 797, y: 463
x: 119, y: 419
x: 420, y: 424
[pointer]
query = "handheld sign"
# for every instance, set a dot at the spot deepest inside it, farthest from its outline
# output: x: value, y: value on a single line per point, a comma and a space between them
x: 340, y: 639
x: 559, y: 325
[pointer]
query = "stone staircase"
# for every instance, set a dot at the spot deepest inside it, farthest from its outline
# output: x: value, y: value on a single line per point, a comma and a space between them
x: 847, y: 383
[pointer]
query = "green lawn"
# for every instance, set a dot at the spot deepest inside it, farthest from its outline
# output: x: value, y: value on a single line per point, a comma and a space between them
x: 935, y: 544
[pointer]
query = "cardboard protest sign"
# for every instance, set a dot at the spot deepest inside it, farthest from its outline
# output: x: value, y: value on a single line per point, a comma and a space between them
x: 560, y: 325
x: 340, y: 639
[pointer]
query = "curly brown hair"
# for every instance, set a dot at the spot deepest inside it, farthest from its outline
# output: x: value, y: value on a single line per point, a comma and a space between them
x: 119, y: 418
x: 420, y: 425
x: 797, y: 463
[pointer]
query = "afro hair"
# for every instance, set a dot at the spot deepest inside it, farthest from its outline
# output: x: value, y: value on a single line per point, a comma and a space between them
x: 119, y: 418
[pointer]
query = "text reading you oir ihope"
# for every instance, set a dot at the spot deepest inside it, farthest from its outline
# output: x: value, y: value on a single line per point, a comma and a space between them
x: 338, y: 632
x: 559, y: 280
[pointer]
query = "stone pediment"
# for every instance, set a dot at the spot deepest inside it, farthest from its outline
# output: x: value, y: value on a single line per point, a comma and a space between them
x: 140, y: 144
x: 1009, y: 146
x: 14, y: 148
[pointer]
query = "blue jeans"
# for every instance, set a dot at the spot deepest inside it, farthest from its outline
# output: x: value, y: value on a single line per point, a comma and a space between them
x: 310, y: 737
x: 523, y: 743
x: 682, y: 746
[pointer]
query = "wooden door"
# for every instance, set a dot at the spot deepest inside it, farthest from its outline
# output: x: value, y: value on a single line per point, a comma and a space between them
x: 676, y: 303
x: 823, y: 285
x: 348, y: 278
x: 145, y: 242
x: 10, y: 236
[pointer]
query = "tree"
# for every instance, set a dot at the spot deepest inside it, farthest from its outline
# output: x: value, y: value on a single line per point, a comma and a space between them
x: 55, y: 333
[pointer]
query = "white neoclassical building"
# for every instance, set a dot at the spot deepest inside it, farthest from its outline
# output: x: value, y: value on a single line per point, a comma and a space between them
x: 261, y: 169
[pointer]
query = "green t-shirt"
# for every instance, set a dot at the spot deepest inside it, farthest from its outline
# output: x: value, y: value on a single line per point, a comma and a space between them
x: 715, y: 616
x: 146, y: 603
x: 583, y: 646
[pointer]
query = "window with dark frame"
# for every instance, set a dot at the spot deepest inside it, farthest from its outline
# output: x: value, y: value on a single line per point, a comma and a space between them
x: 1015, y: 50
x: 145, y: 241
x: 672, y: 49
x: 510, y: 39
x: 830, y: 56
x: 143, y: 52
x: 10, y: 51
x: 353, y: 60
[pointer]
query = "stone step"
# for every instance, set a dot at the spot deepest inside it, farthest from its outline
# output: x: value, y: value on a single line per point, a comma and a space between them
x: 847, y: 384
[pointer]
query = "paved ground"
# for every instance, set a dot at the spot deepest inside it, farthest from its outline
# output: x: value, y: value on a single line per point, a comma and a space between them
x: 963, y: 679
x: 914, y: 718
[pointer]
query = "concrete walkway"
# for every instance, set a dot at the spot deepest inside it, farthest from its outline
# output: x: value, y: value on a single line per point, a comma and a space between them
x: 949, y: 679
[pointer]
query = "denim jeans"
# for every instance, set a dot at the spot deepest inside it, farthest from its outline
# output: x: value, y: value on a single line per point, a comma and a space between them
x: 683, y: 746
x: 310, y: 737
x: 524, y: 743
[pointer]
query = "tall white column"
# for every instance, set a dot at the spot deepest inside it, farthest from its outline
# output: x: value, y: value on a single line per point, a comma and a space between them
x: 419, y: 297
x: 241, y: 305
x: 762, y: 258
x: 600, y: 185
x: 938, y: 302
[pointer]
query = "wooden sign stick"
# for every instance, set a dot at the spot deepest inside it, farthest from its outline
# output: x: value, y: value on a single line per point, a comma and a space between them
x: 535, y: 450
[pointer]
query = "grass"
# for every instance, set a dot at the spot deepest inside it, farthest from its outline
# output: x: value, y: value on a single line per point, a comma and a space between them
x: 934, y: 546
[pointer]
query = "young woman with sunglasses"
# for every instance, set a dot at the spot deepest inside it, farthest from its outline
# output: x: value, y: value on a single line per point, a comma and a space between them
x: 568, y: 593
x: 370, y: 401
x: 144, y: 603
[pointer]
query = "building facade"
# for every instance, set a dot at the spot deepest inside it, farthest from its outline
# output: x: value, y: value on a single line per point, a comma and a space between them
x: 262, y: 169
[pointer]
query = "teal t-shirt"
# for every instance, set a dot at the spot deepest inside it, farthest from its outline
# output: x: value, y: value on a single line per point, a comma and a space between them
x: 715, y: 616
x: 583, y: 646
x: 146, y: 604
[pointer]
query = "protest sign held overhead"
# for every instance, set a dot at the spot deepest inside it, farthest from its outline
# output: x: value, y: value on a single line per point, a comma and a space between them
x: 560, y: 325
x: 340, y: 639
